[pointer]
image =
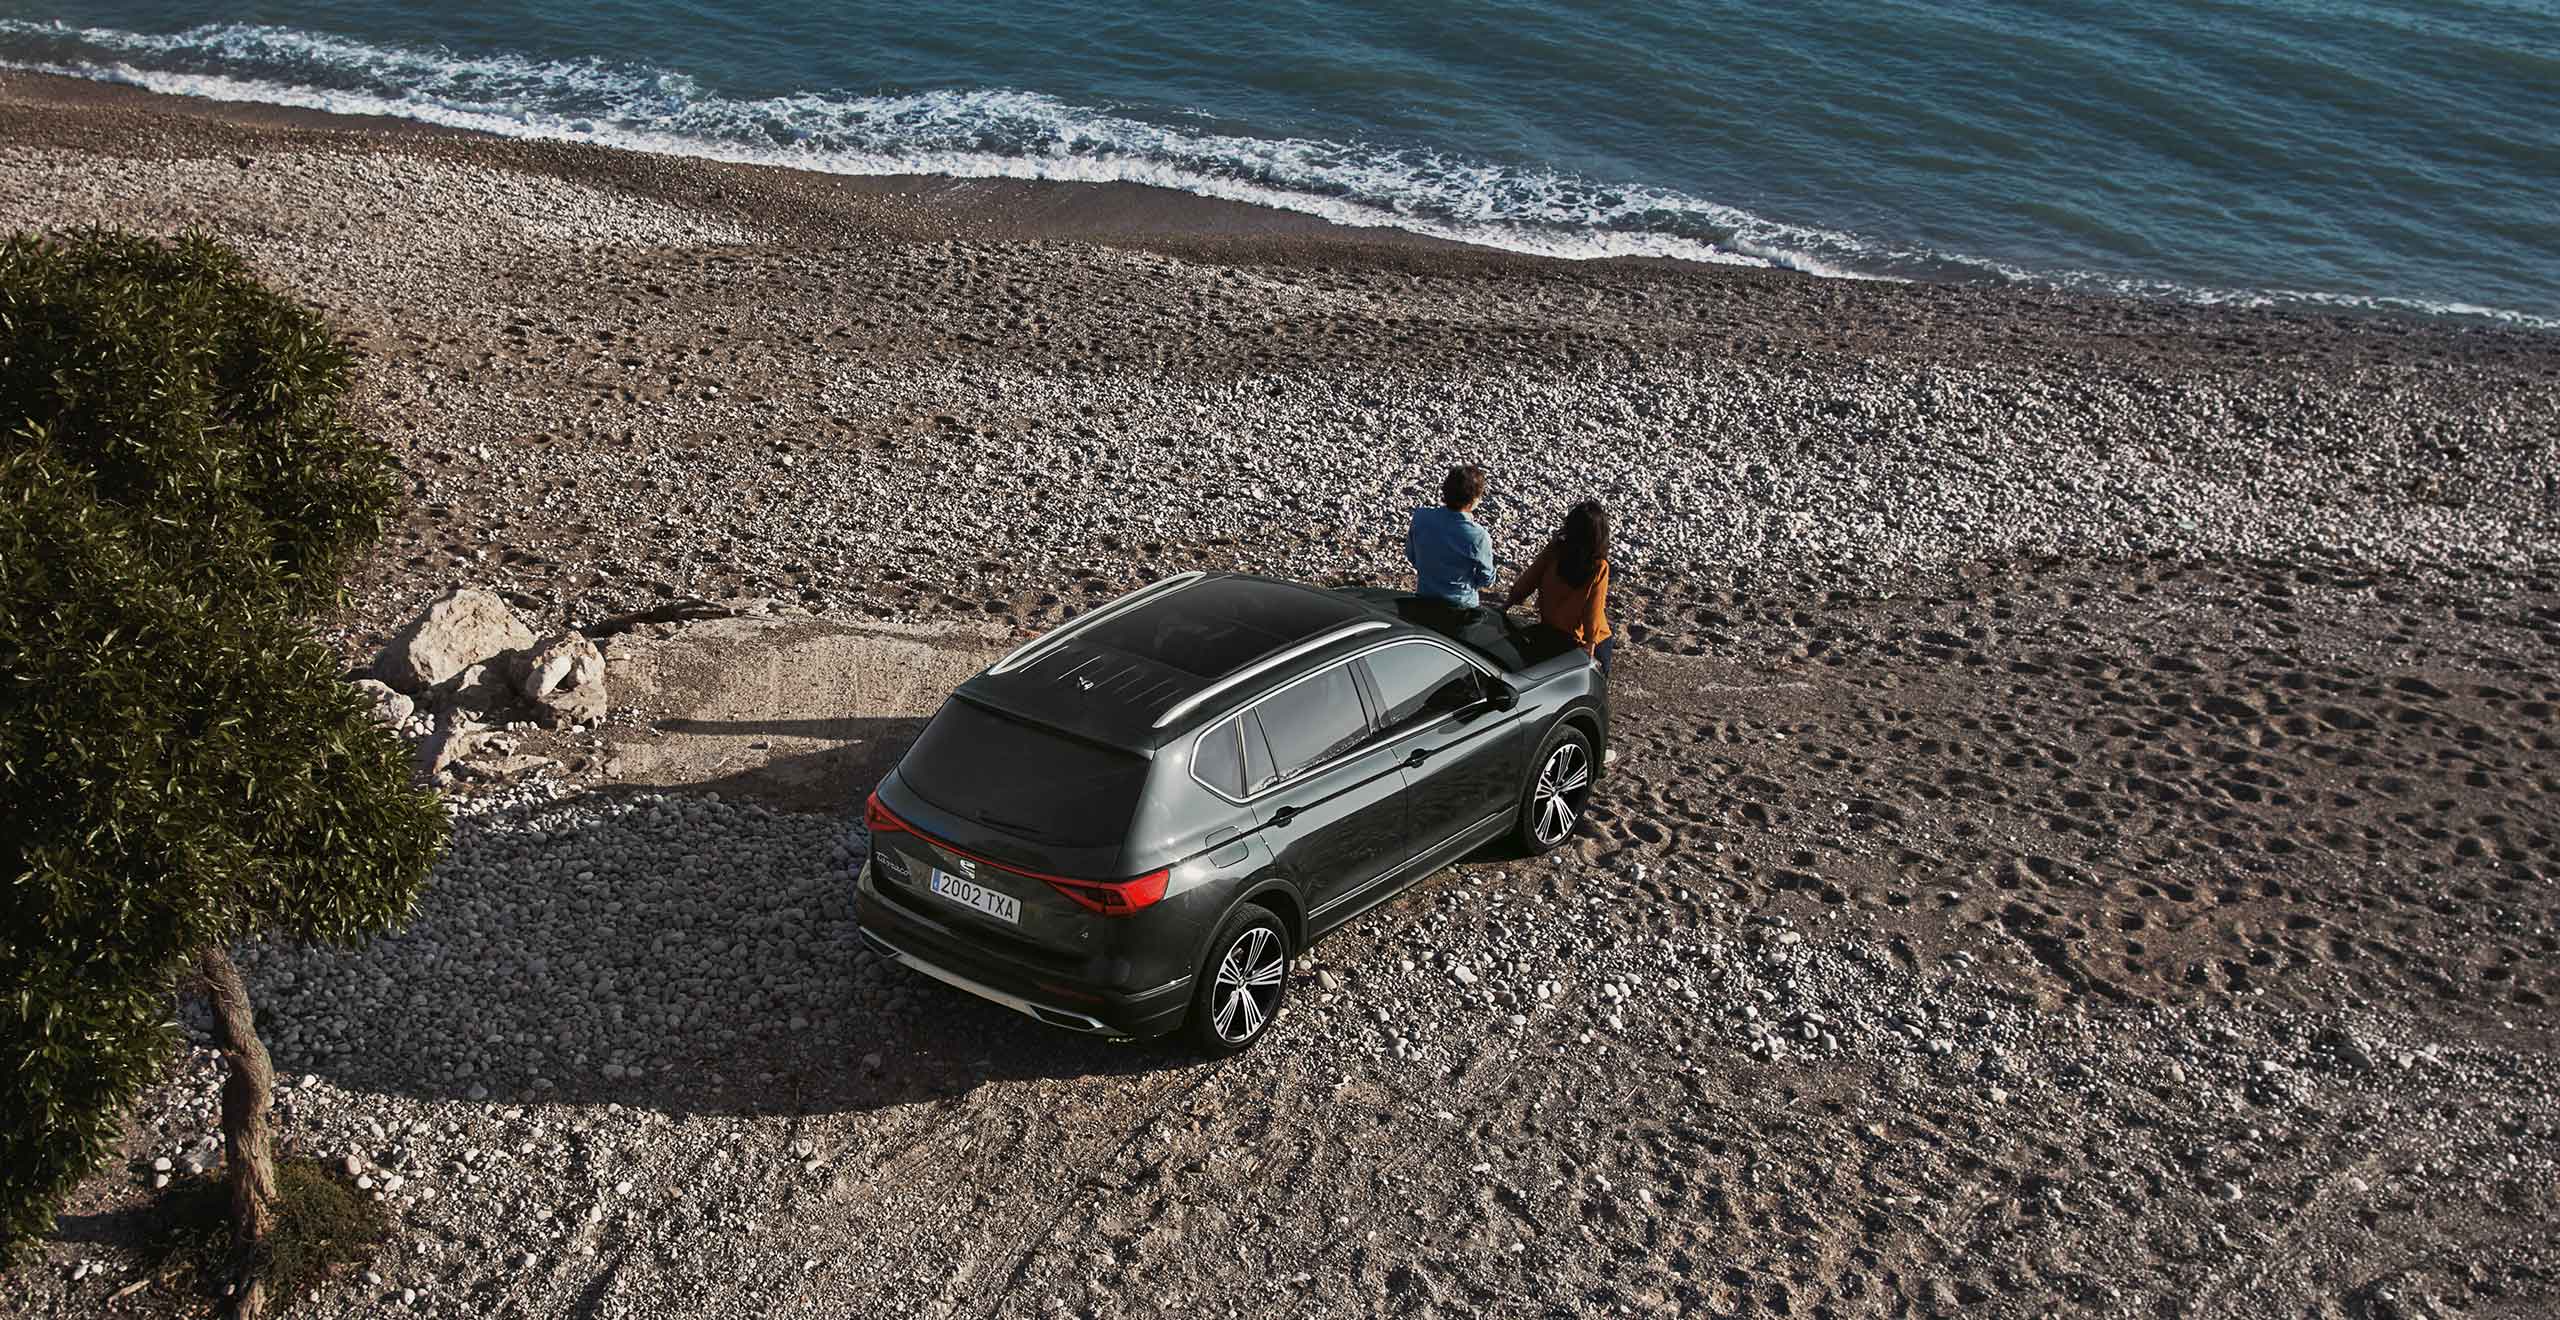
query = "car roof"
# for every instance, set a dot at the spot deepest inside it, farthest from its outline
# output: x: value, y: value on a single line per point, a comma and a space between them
x: 1149, y: 667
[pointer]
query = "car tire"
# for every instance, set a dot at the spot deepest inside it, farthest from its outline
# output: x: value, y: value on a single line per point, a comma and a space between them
x: 1556, y: 792
x: 1243, y: 982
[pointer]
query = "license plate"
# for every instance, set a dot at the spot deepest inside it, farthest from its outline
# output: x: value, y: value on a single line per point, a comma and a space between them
x: 971, y: 894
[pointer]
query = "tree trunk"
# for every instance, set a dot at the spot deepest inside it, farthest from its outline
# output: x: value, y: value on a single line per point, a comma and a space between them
x: 247, y: 1148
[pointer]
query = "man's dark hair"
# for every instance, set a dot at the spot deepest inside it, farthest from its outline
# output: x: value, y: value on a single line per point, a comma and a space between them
x: 1463, y: 486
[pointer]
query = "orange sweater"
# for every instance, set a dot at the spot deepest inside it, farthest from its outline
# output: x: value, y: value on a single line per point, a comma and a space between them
x: 1580, y: 613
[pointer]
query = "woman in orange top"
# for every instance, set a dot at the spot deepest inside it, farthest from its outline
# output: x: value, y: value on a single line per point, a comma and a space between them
x: 1570, y: 579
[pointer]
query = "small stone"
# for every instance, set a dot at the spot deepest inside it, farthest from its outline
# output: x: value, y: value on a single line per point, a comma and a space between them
x: 162, y: 1164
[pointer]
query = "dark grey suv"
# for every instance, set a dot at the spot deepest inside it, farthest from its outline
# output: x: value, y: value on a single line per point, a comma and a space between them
x: 1130, y: 825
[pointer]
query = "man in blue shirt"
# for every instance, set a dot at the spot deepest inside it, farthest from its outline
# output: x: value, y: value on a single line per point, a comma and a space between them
x: 1452, y: 557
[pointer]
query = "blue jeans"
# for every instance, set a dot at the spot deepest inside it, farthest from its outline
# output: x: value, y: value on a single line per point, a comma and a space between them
x: 1604, y: 652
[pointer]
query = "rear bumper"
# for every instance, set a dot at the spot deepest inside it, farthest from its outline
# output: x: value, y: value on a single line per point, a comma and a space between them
x: 894, y: 931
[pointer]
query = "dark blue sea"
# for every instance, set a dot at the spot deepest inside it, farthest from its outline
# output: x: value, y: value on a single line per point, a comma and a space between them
x: 2381, y: 154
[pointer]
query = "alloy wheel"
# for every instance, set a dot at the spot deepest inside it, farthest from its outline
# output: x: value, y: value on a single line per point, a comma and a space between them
x: 1561, y: 782
x: 1248, y: 984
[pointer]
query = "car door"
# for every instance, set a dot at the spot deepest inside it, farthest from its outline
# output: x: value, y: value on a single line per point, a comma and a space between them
x: 1460, y: 753
x: 1329, y: 797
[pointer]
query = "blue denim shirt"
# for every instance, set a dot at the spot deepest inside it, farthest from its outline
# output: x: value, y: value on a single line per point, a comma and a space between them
x: 1452, y: 557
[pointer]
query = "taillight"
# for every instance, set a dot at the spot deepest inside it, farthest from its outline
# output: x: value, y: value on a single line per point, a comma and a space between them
x: 879, y: 820
x: 1113, y: 898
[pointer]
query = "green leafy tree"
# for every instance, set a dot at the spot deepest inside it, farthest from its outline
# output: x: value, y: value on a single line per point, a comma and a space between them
x: 181, y: 767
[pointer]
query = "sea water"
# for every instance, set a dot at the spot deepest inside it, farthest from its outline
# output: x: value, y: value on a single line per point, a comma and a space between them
x: 2398, y: 155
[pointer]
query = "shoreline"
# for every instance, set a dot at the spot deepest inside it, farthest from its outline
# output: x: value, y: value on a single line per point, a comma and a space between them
x: 1114, y: 213
x: 1011, y: 208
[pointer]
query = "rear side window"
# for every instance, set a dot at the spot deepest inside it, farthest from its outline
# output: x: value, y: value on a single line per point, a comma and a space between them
x: 1418, y: 681
x: 1313, y: 721
x: 1218, y: 762
x: 1233, y: 758
x: 1024, y: 779
x: 1258, y: 773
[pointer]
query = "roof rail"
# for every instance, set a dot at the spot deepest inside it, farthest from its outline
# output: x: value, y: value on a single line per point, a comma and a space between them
x: 1269, y: 662
x: 1023, y: 653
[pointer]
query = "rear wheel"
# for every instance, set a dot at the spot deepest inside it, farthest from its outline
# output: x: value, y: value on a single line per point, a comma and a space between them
x: 1243, y: 984
x: 1559, y: 788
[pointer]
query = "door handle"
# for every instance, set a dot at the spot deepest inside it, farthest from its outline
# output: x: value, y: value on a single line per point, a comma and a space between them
x: 1419, y: 756
x: 1283, y: 816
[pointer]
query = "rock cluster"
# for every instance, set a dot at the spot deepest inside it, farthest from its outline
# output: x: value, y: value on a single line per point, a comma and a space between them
x: 468, y: 662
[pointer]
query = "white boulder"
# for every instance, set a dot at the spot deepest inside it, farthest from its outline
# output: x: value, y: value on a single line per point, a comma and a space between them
x: 462, y: 628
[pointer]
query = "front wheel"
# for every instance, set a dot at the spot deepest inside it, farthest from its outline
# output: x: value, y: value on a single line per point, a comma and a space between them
x: 1559, y: 788
x: 1243, y: 984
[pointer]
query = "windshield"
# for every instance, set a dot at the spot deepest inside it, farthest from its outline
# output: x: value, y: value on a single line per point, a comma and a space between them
x: 1023, y: 779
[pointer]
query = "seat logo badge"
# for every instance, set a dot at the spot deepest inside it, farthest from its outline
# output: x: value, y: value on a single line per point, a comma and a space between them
x: 965, y: 867
x: 1084, y: 684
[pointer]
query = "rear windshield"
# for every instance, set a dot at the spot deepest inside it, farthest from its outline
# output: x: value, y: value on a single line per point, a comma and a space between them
x: 1024, y: 779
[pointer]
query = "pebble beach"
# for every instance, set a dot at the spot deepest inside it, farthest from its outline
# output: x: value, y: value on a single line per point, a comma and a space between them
x: 2083, y: 842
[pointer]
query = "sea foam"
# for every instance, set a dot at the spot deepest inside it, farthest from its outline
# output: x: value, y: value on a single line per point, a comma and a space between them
x: 990, y: 133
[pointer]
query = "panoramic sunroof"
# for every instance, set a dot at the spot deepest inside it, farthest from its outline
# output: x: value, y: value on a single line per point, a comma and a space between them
x: 1216, y: 627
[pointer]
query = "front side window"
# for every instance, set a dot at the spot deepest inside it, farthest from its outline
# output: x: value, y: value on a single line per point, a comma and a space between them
x: 1312, y: 721
x: 1418, y: 682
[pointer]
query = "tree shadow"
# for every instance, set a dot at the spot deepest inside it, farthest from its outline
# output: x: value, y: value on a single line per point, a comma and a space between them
x: 132, y: 1224
x: 689, y: 949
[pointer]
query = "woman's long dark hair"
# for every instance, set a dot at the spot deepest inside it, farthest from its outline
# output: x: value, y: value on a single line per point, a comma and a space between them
x: 1582, y: 543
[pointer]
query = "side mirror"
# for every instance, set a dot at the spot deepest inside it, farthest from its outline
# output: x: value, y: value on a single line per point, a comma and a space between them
x: 1499, y: 695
